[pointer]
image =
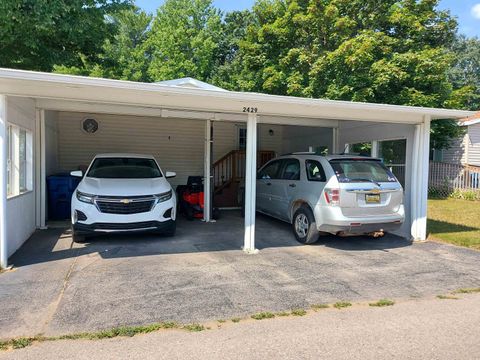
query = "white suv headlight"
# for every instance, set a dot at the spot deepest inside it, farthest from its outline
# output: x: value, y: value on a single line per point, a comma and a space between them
x: 86, y: 198
x: 163, y: 196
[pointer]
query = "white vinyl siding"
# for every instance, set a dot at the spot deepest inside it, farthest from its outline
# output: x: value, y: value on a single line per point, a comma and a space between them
x: 465, y: 150
x: 177, y: 144
x: 474, y: 144
x: 21, y: 200
x: 455, y: 154
x: 224, y: 138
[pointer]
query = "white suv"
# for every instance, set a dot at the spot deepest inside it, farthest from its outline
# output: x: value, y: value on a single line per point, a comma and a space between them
x: 120, y: 193
x: 337, y: 194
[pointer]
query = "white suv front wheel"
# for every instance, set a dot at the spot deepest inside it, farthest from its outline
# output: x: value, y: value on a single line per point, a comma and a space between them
x: 304, y: 226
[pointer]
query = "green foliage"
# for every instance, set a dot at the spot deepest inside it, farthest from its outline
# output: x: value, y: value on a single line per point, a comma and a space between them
x: 465, y: 73
x: 471, y: 195
x: 342, y: 304
x: 299, y: 312
x: 447, y: 297
x: 194, y: 327
x: 124, y: 56
x: 184, y: 40
x: 382, y: 303
x: 263, y: 315
x: 350, y: 50
x: 361, y: 148
x: 37, y: 34
x: 402, y: 52
x: 228, y: 66
x: 389, y: 52
x: 317, y: 307
x: 443, y: 132
x: 467, y: 291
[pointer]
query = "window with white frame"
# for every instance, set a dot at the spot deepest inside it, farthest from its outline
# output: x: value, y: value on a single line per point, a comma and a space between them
x: 242, y: 138
x: 19, y: 160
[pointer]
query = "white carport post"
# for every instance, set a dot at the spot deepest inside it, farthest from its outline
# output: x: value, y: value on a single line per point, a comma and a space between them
x: 3, y: 182
x: 419, y: 188
x: 335, y: 141
x: 40, y: 170
x: 250, y: 184
x: 207, y: 210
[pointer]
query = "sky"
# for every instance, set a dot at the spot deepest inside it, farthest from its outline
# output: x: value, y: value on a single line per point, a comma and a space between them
x: 467, y: 11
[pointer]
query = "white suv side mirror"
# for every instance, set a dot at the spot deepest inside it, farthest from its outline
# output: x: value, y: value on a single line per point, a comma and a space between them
x: 77, y: 173
x: 170, y: 174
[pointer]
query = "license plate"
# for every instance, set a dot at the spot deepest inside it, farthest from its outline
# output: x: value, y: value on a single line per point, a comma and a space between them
x: 372, y: 198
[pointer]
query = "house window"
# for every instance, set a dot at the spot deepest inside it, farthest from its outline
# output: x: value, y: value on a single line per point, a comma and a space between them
x: 19, y: 161
x: 242, y: 138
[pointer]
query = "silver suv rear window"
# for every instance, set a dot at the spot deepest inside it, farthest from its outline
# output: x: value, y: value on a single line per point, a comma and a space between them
x: 361, y: 170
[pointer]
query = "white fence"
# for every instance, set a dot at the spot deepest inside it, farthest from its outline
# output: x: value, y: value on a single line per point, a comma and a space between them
x: 445, y: 178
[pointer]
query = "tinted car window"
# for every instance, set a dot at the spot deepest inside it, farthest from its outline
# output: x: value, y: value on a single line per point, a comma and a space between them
x: 291, y: 170
x: 270, y: 171
x: 315, y: 171
x: 363, y: 170
x: 124, y: 168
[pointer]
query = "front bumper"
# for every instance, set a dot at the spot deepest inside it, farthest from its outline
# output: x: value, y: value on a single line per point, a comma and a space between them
x: 161, y: 217
x: 98, y: 228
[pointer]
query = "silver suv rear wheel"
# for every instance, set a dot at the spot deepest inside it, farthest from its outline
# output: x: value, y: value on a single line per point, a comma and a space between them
x: 304, y: 226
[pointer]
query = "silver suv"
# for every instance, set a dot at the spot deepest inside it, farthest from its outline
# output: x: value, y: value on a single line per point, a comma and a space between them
x: 337, y: 194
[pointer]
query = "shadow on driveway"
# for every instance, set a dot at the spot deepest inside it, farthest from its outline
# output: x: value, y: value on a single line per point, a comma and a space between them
x: 192, y: 237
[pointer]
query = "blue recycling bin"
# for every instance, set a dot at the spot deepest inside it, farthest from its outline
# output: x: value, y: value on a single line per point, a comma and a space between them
x: 60, y: 189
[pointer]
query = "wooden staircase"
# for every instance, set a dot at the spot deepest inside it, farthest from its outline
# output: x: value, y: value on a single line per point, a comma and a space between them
x: 228, y: 173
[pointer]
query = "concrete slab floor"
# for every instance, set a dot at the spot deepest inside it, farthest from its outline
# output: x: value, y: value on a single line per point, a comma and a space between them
x: 201, y: 274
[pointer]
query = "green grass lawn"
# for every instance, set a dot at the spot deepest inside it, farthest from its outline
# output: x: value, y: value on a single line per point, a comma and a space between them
x: 454, y: 221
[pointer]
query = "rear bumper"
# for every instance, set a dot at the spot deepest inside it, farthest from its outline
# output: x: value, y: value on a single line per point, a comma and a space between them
x: 102, y: 228
x: 360, y: 229
x: 332, y: 220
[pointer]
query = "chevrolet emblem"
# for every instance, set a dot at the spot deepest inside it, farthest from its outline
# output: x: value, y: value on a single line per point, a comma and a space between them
x: 125, y: 201
x: 375, y: 191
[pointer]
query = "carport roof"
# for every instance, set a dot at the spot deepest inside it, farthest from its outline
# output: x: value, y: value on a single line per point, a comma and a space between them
x: 160, y: 96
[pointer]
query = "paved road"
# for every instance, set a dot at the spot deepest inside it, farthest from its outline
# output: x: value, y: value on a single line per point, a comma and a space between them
x: 416, y: 329
x: 202, y: 275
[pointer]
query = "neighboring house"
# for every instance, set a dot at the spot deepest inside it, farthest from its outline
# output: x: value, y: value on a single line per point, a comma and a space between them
x: 464, y: 150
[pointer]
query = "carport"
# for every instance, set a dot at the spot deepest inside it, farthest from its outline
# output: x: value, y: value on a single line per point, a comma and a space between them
x: 29, y: 99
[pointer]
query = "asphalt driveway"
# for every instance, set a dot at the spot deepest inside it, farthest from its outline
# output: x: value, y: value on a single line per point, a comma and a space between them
x: 201, y: 274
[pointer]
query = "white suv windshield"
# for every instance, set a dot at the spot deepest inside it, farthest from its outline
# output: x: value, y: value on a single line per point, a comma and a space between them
x: 362, y: 170
x: 124, y: 168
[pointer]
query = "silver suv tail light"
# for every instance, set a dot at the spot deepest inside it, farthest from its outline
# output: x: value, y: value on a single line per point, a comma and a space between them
x: 332, y: 196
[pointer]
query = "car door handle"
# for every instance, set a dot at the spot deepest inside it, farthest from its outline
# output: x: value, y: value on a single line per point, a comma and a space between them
x: 268, y: 184
x: 292, y: 185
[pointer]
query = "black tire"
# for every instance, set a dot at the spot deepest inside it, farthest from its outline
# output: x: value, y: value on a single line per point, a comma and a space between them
x: 306, y: 230
x: 79, y: 239
x: 215, y: 214
x: 172, y: 229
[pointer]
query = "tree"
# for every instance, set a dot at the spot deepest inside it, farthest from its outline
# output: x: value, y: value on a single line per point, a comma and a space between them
x: 465, y: 73
x: 123, y: 56
x: 37, y: 34
x: 227, y: 67
x: 184, y: 40
x: 383, y: 51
